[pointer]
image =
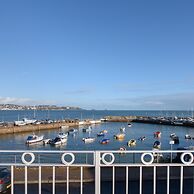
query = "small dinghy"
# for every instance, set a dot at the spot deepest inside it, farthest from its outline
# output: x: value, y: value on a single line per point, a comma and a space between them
x: 157, y: 145
x: 142, y: 138
x: 119, y: 136
x: 129, y: 124
x: 88, y: 139
x: 157, y: 134
x: 105, y: 141
x: 131, y: 142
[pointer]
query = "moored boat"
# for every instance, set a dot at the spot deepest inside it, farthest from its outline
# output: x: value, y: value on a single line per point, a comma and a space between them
x: 157, y: 145
x: 129, y: 124
x: 119, y: 136
x: 105, y: 141
x: 122, y: 129
x: 88, y: 139
x: 142, y: 138
x: 62, y: 135
x: 58, y: 141
x: 122, y: 150
x: 131, y: 142
x: 187, y: 136
x: 34, y: 139
x: 157, y: 134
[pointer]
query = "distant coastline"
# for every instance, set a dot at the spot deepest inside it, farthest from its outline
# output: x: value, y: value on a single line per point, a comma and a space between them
x: 36, y: 107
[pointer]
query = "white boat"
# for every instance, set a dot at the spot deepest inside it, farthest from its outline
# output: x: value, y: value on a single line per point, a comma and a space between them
x: 34, y: 139
x: 129, y: 124
x: 88, y: 139
x: 25, y: 121
x: 62, y: 135
x: 58, y: 141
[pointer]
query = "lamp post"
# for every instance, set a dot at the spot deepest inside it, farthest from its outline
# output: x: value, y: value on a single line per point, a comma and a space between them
x: 171, y: 143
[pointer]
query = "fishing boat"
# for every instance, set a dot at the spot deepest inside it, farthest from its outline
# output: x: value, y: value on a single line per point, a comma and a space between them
x: 34, y: 139
x: 157, y: 145
x: 131, y: 142
x: 119, y: 136
x: 88, y: 139
x: 157, y: 134
x: 58, y: 141
x: 105, y: 141
x: 62, y: 135
x: 89, y: 129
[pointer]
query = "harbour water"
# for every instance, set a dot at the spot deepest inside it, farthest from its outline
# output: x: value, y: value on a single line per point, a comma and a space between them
x: 17, y: 141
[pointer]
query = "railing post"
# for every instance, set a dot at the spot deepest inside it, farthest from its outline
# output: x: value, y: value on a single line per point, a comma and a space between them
x: 97, y: 172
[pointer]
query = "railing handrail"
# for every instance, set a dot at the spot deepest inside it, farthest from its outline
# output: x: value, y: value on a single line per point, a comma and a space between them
x: 101, y: 151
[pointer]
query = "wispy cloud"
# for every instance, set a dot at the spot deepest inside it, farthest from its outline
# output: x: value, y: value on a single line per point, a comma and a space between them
x: 23, y: 101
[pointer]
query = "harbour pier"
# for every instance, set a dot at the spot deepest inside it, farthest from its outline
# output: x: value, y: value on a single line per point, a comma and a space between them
x: 173, y: 121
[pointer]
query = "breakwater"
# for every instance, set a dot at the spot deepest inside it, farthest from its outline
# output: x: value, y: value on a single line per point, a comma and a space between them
x: 174, y: 121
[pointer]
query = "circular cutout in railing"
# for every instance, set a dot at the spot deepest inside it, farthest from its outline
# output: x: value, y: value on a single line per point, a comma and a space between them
x: 187, y: 158
x: 71, y: 155
x: 149, y: 161
x: 30, y: 160
x: 108, y: 162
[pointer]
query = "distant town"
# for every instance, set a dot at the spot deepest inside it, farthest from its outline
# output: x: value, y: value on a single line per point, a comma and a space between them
x: 37, y: 107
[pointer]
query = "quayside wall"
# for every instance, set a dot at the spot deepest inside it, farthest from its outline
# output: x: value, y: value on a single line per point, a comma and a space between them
x: 28, y: 128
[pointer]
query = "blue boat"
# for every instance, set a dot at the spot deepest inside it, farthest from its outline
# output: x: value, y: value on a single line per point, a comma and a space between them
x: 105, y: 141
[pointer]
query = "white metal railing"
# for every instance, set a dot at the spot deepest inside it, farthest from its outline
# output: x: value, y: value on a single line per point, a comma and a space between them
x: 99, y: 161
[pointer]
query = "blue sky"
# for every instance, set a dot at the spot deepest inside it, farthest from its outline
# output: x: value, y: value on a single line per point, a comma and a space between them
x: 98, y: 54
